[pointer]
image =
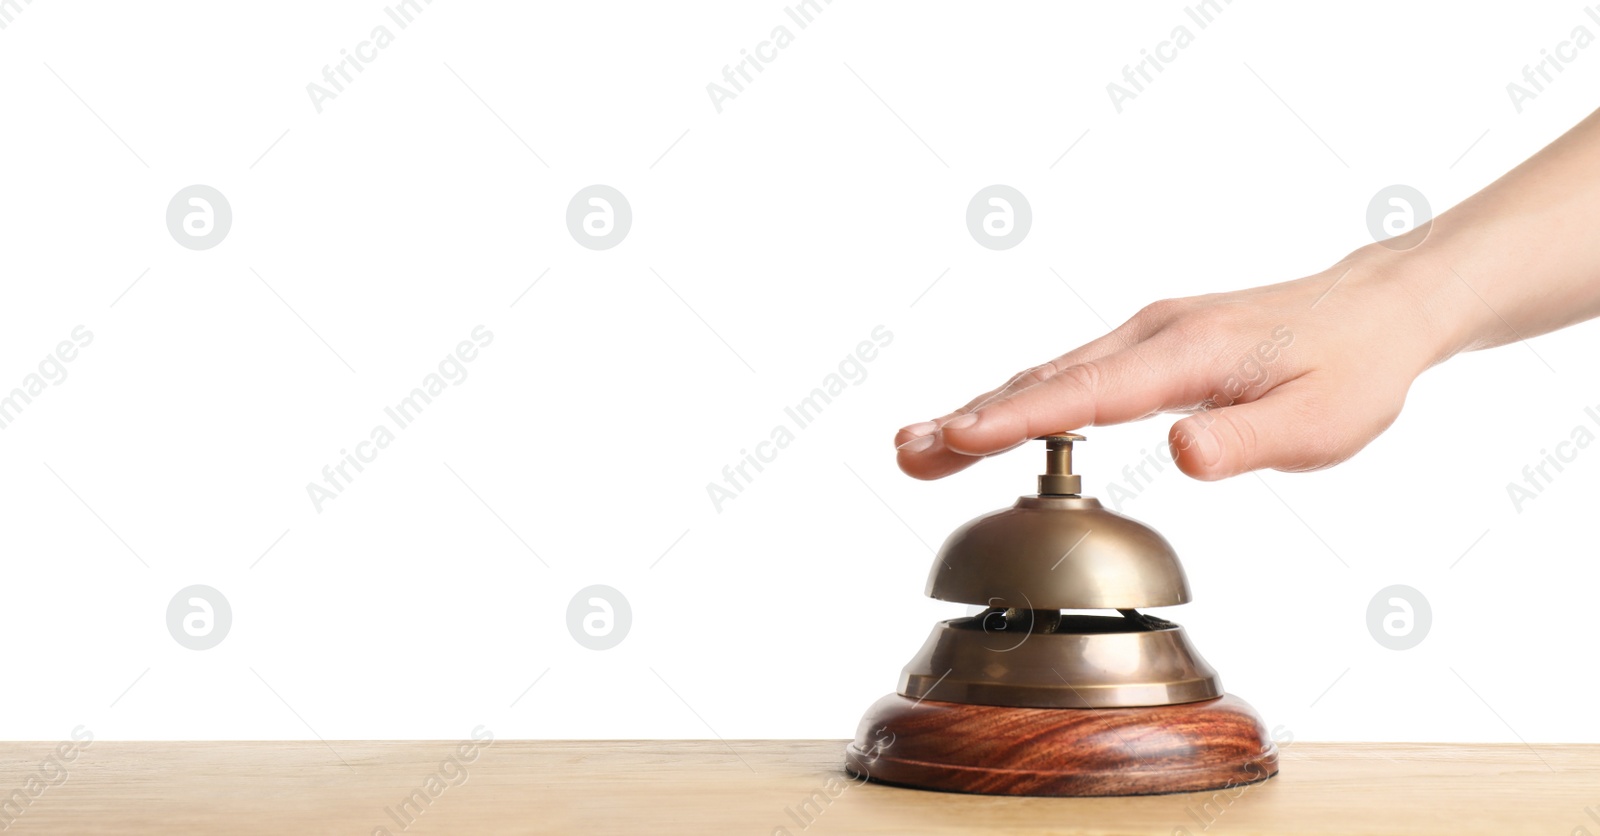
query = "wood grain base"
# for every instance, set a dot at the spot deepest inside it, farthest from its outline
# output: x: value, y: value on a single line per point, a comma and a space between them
x: 999, y: 750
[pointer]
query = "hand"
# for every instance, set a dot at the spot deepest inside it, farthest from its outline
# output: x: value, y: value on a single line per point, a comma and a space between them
x: 1293, y: 376
x: 1302, y: 375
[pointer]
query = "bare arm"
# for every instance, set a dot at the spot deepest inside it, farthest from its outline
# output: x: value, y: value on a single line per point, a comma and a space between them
x: 1304, y: 374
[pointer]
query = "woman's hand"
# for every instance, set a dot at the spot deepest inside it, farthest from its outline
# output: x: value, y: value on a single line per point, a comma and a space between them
x: 1302, y: 375
x: 1291, y: 376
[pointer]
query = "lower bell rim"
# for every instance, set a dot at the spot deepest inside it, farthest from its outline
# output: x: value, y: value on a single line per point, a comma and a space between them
x: 962, y: 662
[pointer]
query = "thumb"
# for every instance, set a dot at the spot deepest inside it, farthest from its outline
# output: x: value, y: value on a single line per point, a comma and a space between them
x: 1283, y: 430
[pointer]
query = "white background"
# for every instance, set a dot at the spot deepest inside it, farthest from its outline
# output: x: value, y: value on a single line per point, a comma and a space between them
x: 794, y: 222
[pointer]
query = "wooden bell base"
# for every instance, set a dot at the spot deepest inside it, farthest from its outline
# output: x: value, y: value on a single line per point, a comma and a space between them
x: 999, y: 750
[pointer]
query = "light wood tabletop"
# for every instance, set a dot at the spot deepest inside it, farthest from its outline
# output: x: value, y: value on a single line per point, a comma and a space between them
x: 750, y: 786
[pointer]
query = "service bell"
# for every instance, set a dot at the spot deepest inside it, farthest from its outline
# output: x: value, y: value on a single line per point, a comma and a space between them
x: 1034, y: 697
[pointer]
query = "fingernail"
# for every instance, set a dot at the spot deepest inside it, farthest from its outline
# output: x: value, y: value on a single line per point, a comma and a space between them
x: 918, y: 444
x: 922, y: 429
x: 961, y: 422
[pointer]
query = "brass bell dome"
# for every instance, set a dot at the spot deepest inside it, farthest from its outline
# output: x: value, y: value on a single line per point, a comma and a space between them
x: 1058, y: 550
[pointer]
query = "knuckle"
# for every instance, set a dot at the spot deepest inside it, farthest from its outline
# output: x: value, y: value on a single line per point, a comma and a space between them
x: 1203, y: 326
x: 1085, y: 377
x: 1026, y: 378
x: 1036, y: 374
x: 1157, y: 314
x: 1242, y: 437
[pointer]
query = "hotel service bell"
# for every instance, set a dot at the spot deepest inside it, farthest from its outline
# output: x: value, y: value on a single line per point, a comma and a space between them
x: 1035, y: 697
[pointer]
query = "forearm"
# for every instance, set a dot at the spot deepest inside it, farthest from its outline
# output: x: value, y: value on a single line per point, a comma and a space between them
x: 1519, y: 258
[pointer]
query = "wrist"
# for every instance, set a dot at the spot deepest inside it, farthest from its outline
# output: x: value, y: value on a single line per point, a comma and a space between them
x: 1444, y: 306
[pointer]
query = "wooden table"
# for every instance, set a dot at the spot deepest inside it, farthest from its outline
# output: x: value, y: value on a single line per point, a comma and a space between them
x: 753, y: 787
